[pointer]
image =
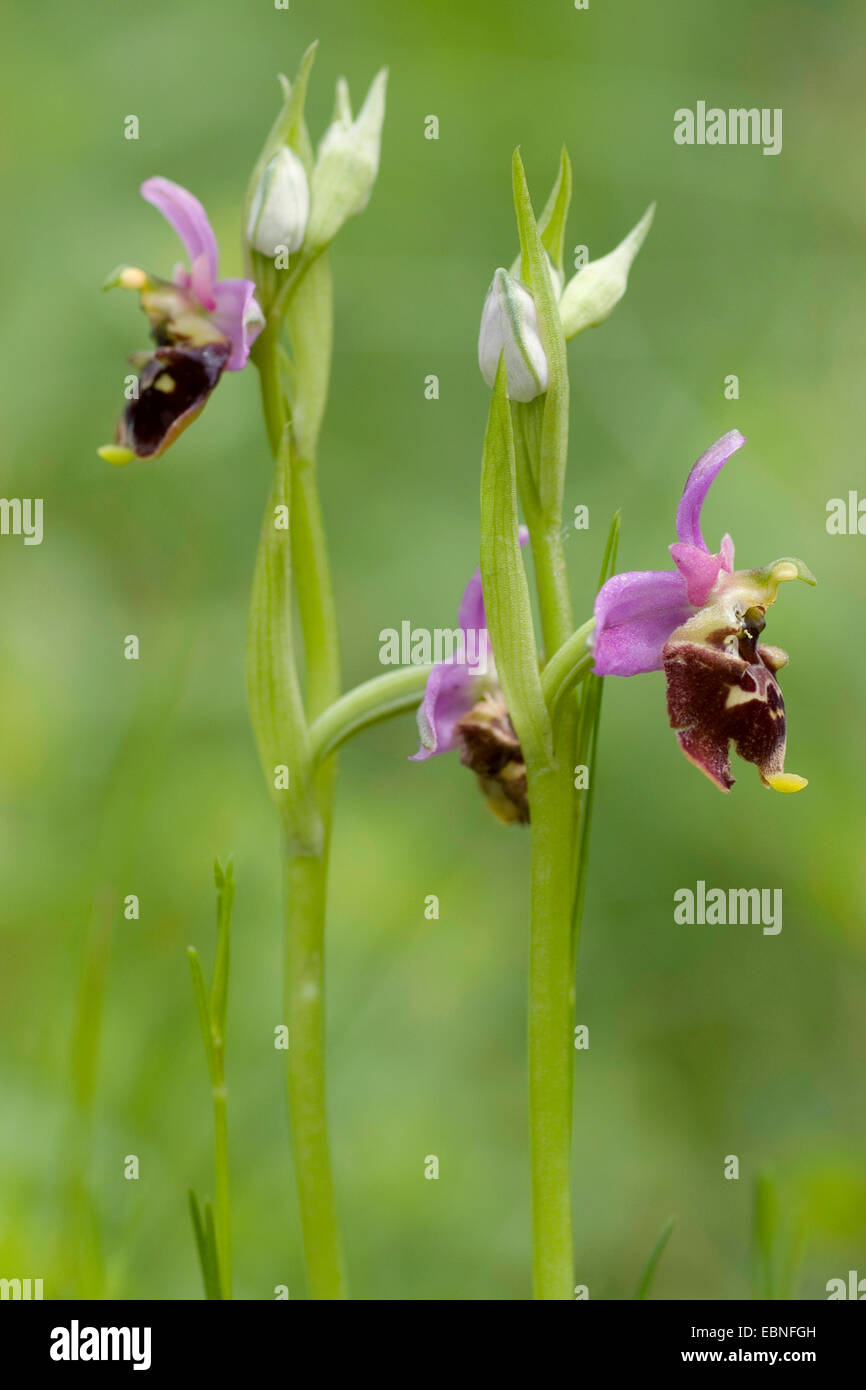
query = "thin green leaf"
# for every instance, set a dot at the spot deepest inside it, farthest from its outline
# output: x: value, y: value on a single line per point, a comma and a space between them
x: 309, y: 319
x: 551, y: 223
x: 225, y: 886
x: 276, y: 705
x: 205, y: 1240
x: 210, y: 1234
x: 653, y: 1261
x: 611, y: 549
x: 288, y: 128
x: 506, y: 592
x: 204, y: 1017
x: 536, y: 274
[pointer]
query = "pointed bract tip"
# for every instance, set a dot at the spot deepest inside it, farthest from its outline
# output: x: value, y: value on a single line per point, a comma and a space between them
x: 342, y: 102
x: 115, y: 454
x: 593, y: 293
x: 787, y: 782
x: 634, y: 240
x: 308, y: 57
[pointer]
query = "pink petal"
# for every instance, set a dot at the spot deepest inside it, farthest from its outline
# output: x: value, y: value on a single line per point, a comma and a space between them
x: 235, y: 314
x: 201, y: 284
x: 698, y: 568
x: 635, y: 614
x: 450, y: 693
x: 188, y: 218
x: 698, y: 485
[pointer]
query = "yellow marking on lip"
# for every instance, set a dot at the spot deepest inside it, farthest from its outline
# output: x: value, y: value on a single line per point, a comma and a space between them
x: 164, y: 383
x: 787, y: 782
x: 737, y: 696
x: 116, y: 454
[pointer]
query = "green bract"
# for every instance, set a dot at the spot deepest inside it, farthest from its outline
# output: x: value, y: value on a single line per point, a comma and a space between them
x: 347, y: 163
x: 594, y: 292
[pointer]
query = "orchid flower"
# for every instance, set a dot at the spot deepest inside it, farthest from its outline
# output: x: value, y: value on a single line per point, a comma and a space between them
x: 464, y: 709
x: 701, y: 623
x: 202, y: 326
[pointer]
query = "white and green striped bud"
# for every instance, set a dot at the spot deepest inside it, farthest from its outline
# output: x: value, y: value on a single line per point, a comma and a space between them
x: 594, y: 292
x: 509, y: 328
x: 281, y: 205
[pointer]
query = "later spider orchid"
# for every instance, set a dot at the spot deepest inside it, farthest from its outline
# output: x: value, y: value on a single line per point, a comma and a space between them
x: 463, y: 708
x: 701, y: 624
x: 202, y: 326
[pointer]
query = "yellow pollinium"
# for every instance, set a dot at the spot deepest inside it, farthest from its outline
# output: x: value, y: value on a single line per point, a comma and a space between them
x: 787, y: 782
x: 116, y: 454
x: 132, y: 278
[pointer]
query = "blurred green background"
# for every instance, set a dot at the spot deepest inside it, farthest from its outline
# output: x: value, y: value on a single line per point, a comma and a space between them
x: 121, y: 777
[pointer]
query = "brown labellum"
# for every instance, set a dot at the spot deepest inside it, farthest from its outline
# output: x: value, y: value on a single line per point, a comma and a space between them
x: 490, y: 747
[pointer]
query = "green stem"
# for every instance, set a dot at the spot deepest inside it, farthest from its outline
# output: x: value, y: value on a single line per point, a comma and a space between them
x: 222, y: 1219
x: 554, y: 602
x: 569, y: 665
x: 314, y: 590
x: 396, y: 692
x: 305, y: 873
x: 305, y: 882
x: 551, y: 1020
x: 551, y: 974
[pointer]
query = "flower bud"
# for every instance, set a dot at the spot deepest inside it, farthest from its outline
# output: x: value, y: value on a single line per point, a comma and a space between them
x: 594, y: 292
x: 281, y: 205
x: 347, y: 162
x: 509, y: 326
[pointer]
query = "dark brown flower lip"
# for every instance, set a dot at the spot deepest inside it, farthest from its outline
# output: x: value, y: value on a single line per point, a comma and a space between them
x: 173, y: 389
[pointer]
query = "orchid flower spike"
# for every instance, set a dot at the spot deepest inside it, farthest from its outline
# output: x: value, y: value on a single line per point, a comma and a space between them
x: 202, y: 326
x: 701, y: 623
x: 464, y: 710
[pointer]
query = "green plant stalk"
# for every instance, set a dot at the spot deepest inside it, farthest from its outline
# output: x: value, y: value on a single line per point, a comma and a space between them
x: 545, y: 743
x: 541, y: 430
x: 551, y: 1018
x: 553, y: 827
x: 551, y: 967
x: 222, y: 1219
x: 305, y: 872
x: 383, y: 697
x: 305, y: 904
x: 215, y: 1255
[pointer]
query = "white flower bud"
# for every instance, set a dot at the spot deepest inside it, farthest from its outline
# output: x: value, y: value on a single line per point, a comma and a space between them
x: 281, y: 205
x: 594, y: 292
x: 347, y: 162
x: 509, y: 326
